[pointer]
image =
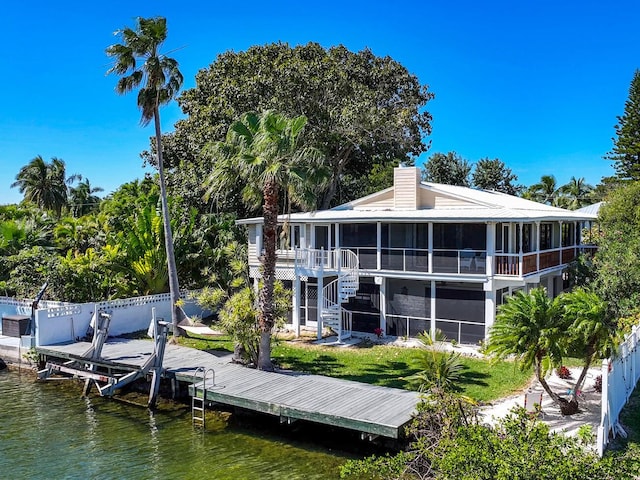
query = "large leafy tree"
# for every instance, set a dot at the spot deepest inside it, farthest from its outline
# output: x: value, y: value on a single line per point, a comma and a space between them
x: 44, y: 184
x: 530, y: 327
x: 264, y: 151
x: 362, y: 110
x: 449, y: 168
x: 617, y: 262
x: 141, y: 65
x: 626, y: 145
x: 494, y: 175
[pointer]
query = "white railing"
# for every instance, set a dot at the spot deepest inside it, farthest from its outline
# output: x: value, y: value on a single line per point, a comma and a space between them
x: 620, y: 375
x: 339, y: 291
x: 460, y: 261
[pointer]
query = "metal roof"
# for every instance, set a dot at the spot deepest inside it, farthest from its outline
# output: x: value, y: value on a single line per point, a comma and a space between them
x: 482, y: 206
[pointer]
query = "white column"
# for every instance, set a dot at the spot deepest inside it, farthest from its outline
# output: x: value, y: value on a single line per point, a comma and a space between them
x: 489, y: 311
x: 295, y: 303
x: 312, y: 242
x: 320, y: 300
x: 430, y: 246
x: 379, y: 246
x: 491, y: 248
x: 433, y: 308
x: 537, y: 237
x: 337, y: 235
x: 383, y: 305
x: 520, y: 249
x: 259, y: 245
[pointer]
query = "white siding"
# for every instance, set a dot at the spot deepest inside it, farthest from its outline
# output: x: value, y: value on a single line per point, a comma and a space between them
x: 406, y: 183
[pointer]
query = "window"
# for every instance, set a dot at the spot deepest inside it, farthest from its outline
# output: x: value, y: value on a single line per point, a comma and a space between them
x: 546, y: 230
x: 568, y: 234
x: 458, y: 236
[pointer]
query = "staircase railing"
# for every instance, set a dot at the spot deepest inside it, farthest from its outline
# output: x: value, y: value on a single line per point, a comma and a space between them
x: 338, y: 291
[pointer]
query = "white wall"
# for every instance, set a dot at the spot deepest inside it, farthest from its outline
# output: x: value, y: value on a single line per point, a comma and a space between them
x: 68, y: 323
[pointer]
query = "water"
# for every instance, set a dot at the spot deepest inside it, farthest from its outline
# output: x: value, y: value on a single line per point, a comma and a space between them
x: 47, y: 431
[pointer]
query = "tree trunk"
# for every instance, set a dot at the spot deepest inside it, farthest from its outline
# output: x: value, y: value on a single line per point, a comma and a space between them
x: 337, y: 170
x: 567, y: 407
x: 174, y: 287
x: 266, y: 318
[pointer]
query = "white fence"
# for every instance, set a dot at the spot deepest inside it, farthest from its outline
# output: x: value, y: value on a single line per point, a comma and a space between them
x: 57, y: 322
x: 620, y: 375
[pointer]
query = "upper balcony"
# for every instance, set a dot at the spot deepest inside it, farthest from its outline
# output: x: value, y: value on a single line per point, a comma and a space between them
x: 441, y: 261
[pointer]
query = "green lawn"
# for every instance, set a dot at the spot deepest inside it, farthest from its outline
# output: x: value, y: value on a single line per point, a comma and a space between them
x: 383, y: 365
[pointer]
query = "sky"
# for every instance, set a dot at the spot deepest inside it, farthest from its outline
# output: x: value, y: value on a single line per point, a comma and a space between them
x: 537, y: 84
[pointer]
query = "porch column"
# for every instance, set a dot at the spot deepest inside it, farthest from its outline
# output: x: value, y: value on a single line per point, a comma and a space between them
x: 383, y: 303
x: 432, y: 309
x: 320, y: 301
x: 295, y: 304
x: 491, y: 248
x: 379, y: 247
x: 430, y: 246
x: 560, y: 239
x: 520, y: 227
x: 489, y: 310
x: 337, y: 236
x: 537, y: 237
x: 259, y: 245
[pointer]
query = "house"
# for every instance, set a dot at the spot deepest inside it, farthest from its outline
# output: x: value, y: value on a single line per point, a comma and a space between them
x: 418, y: 256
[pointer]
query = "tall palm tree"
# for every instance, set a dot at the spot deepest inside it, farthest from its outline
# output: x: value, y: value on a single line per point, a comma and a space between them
x: 530, y: 327
x: 264, y: 151
x: 82, y: 199
x: 141, y: 64
x: 546, y: 190
x: 593, y: 334
x: 44, y: 184
x: 577, y: 192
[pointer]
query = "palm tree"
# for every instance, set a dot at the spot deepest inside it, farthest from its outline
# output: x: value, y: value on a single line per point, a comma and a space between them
x: 142, y: 65
x: 577, y: 193
x: 546, y: 190
x: 82, y: 199
x: 530, y: 327
x: 44, y: 184
x: 264, y: 152
x: 593, y: 335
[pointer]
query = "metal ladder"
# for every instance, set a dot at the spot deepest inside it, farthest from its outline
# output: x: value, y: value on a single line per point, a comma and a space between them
x: 198, y: 406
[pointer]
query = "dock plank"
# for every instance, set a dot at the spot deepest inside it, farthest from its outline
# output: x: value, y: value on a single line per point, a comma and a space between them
x: 343, y: 403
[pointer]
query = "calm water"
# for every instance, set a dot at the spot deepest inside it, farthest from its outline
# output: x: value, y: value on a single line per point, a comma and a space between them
x: 48, y: 432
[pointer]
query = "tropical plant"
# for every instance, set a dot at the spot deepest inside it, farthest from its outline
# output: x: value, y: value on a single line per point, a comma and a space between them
x: 576, y: 193
x: 82, y: 199
x: 437, y: 368
x: 530, y: 327
x: 545, y: 191
x: 141, y: 64
x: 265, y: 152
x: 44, y: 184
x: 592, y: 334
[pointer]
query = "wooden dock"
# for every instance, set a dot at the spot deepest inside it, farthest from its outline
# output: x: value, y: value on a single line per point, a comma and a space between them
x: 369, y: 409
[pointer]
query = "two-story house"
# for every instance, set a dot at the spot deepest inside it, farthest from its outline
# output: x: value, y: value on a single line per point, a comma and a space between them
x: 418, y: 256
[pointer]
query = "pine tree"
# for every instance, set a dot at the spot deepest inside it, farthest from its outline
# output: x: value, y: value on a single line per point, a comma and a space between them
x: 626, y: 147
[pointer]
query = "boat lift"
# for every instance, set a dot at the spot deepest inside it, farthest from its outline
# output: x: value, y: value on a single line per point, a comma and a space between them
x: 87, y: 365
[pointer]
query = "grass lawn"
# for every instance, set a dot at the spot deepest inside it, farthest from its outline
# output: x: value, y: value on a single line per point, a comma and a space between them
x: 383, y: 365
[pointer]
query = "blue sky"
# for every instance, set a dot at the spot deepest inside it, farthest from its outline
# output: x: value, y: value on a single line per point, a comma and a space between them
x: 536, y: 84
